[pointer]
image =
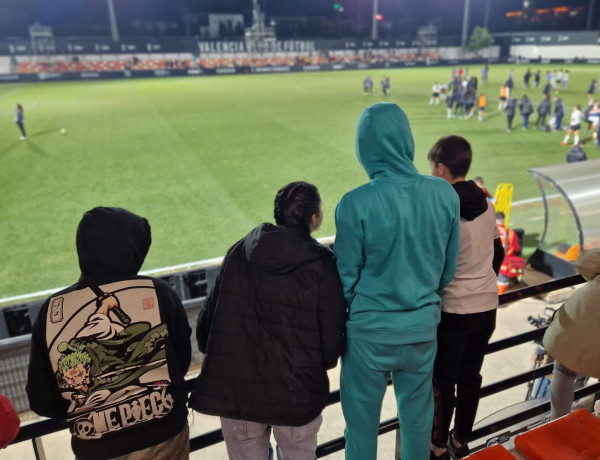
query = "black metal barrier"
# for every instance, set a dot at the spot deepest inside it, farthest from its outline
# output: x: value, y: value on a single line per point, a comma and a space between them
x: 18, y: 319
x: 36, y: 430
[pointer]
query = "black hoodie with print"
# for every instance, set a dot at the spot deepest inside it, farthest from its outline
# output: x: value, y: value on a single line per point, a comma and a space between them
x: 109, y: 354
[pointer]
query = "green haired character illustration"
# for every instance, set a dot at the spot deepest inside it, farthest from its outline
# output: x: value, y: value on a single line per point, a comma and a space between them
x: 74, y: 370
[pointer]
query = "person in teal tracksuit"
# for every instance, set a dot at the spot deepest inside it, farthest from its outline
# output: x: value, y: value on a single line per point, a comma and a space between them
x: 396, y: 248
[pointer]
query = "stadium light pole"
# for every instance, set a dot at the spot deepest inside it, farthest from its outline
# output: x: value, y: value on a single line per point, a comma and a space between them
x: 591, y: 11
x: 374, y: 34
x: 114, y: 28
x: 465, y: 26
x: 486, y: 15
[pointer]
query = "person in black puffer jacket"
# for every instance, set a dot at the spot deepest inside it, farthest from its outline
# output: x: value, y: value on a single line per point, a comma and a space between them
x: 270, y: 329
x: 526, y: 109
x: 543, y: 110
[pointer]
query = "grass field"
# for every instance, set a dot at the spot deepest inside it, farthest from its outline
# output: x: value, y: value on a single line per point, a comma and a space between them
x: 202, y: 158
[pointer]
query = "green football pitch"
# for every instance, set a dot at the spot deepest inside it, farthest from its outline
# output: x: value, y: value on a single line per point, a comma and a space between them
x: 202, y: 157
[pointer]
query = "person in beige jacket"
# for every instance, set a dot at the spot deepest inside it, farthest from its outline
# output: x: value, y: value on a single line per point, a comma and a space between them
x: 573, y: 338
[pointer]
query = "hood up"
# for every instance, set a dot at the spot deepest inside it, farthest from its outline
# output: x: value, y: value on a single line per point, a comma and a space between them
x: 473, y: 201
x: 588, y: 264
x: 112, y: 244
x: 280, y: 249
x: 384, y: 142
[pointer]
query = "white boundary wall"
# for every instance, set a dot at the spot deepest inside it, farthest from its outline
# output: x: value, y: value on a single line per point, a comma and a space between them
x: 556, y: 52
x: 5, y: 66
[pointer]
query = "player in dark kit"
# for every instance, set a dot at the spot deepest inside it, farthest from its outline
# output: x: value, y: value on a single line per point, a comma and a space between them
x: 20, y: 120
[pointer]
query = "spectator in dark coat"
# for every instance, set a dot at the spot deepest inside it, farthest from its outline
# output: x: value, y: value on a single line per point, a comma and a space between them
x: 558, y: 113
x: 470, y: 96
x: 271, y: 327
x: 527, y: 77
x: 547, y: 89
x: 525, y: 109
x: 536, y: 78
x: 456, y: 85
x: 449, y: 103
x: 543, y: 110
x: 576, y: 153
x: 591, y: 91
x: 510, y: 110
x: 511, y: 84
x: 459, y: 109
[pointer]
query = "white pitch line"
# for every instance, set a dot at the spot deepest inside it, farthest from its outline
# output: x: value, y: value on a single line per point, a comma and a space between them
x: 527, y: 201
x: 187, y: 266
x: 153, y: 272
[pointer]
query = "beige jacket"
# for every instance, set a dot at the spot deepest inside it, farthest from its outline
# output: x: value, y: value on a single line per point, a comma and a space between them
x: 573, y: 338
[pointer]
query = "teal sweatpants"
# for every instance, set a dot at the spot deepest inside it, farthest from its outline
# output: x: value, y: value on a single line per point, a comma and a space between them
x: 366, y: 367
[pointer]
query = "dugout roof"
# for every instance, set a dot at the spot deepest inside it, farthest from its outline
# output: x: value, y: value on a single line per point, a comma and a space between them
x: 571, y: 197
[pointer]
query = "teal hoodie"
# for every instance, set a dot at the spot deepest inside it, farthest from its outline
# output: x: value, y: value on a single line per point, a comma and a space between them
x: 397, y: 236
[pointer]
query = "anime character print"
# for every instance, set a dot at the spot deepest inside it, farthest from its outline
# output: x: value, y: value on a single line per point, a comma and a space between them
x: 107, y: 348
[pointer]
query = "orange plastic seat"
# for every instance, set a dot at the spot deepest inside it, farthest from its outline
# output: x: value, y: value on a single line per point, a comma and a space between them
x: 497, y: 452
x: 573, y: 437
x: 570, y: 254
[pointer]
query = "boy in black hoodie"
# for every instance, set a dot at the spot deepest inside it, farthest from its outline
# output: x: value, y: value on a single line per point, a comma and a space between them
x: 109, y: 354
x: 469, y: 303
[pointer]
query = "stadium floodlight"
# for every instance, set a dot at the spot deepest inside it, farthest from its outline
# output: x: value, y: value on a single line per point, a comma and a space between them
x: 336, y: 6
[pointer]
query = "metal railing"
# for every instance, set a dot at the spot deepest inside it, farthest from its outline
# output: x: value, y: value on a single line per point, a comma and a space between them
x: 35, y: 431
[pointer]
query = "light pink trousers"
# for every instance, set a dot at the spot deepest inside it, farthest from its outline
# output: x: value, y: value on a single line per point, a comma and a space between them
x: 251, y: 441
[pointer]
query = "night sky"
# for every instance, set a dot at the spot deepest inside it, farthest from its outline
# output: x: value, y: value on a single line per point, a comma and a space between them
x: 72, y: 15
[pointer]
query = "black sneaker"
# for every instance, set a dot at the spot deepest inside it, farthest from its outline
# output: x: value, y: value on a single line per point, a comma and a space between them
x: 443, y: 456
x: 456, y: 453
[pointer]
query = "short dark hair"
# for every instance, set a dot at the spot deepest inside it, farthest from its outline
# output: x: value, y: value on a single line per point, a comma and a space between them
x: 295, y: 205
x: 454, y: 152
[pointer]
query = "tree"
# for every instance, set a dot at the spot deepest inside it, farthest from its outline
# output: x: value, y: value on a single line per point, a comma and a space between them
x: 480, y: 39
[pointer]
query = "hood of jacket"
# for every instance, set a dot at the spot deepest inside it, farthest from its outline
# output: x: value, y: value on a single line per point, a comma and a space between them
x: 112, y: 244
x: 588, y: 264
x: 473, y: 201
x: 279, y: 249
x: 384, y: 142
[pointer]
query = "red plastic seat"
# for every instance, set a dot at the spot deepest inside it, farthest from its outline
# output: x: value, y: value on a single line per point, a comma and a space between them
x: 573, y: 437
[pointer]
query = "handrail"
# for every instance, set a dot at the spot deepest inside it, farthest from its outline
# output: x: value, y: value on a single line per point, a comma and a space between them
x: 42, y: 428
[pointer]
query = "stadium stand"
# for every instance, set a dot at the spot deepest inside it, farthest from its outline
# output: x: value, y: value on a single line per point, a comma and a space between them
x: 65, y: 64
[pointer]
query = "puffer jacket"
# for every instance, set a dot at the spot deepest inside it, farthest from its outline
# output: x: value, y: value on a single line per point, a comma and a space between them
x: 278, y: 324
x: 573, y: 337
x: 544, y: 107
x: 525, y: 107
x: 511, y: 107
x: 559, y: 108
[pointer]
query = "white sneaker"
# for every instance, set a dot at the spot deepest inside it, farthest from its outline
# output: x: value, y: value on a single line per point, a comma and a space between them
x: 22, y: 138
